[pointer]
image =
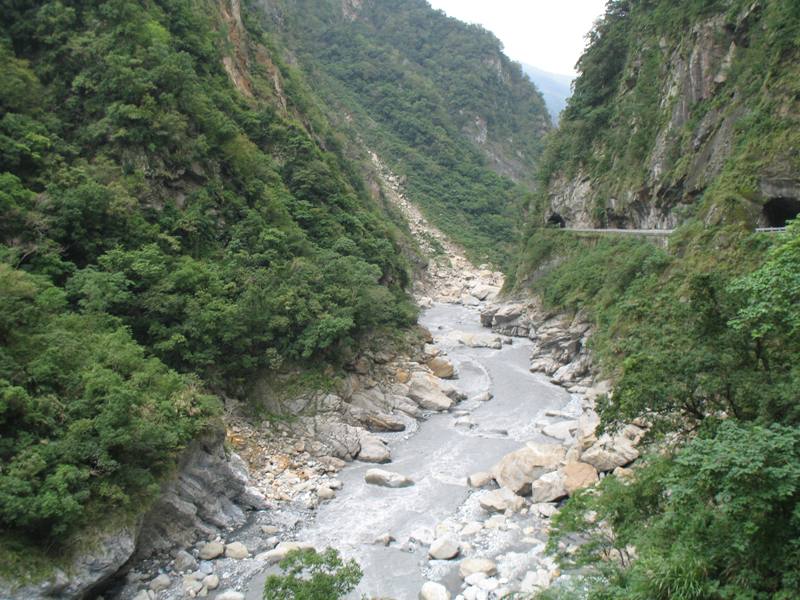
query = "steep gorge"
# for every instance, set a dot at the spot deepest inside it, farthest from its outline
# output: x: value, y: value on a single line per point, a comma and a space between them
x: 184, y: 219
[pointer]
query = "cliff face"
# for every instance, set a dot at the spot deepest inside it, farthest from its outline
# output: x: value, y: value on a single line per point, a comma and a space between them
x: 681, y: 109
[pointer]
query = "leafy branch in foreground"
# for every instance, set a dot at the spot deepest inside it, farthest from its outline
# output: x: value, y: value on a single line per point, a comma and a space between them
x: 309, y: 575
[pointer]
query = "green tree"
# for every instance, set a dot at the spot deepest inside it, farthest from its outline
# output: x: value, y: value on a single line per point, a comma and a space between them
x: 309, y: 575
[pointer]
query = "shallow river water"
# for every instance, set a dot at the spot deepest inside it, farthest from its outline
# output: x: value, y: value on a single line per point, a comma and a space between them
x: 438, y: 457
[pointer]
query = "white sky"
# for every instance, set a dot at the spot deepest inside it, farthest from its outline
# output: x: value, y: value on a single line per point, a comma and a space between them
x: 548, y: 34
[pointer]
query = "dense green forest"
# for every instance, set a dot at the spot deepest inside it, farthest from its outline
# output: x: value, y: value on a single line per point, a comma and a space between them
x: 165, y: 237
x: 436, y: 99
x: 702, y: 338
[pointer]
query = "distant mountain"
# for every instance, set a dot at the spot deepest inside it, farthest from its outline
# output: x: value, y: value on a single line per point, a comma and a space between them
x: 555, y: 89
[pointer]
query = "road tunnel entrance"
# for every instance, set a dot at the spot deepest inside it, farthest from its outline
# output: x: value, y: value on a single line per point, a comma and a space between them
x: 778, y: 211
x: 556, y: 220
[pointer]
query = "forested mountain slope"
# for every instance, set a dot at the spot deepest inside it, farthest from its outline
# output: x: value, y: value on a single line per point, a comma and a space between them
x: 684, y: 114
x: 434, y: 97
x: 177, y: 216
x: 682, y: 109
x: 555, y: 87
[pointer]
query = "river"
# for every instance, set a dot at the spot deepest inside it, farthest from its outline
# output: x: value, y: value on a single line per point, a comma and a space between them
x: 438, y: 457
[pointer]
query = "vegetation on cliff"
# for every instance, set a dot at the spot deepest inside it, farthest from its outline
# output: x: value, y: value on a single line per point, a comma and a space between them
x: 164, y: 232
x: 435, y: 98
x: 682, y: 108
x: 700, y: 337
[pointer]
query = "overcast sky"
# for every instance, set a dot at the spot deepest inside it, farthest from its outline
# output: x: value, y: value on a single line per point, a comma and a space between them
x: 548, y: 34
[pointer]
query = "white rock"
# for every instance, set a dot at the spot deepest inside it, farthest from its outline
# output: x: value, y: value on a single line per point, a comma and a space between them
x: 481, y: 340
x: 549, y: 487
x: 229, y: 595
x: 609, y: 453
x: 444, y: 548
x: 212, y: 550
x: 373, y: 449
x: 518, y: 469
x: 535, y: 581
x: 211, y: 582
x: 480, y: 479
x: 579, y: 475
x: 236, y: 550
x: 501, y: 500
x: 423, y: 535
x: 277, y: 554
x: 426, y: 390
x: 388, y: 479
x: 471, y: 528
x: 469, y: 566
x: 561, y: 431
x: 325, y: 493
x: 433, y: 591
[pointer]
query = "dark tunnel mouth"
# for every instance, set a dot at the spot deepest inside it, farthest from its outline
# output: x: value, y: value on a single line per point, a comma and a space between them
x: 778, y: 211
x: 556, y: 220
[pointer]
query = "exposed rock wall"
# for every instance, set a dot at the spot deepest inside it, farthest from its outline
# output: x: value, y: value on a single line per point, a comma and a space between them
x: 209, y: 493
x: 687, y: 133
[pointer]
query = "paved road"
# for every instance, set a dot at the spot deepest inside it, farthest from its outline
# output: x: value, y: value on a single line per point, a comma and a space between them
x: 657, y: 231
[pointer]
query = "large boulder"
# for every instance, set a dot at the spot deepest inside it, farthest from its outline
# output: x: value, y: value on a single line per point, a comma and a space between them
x: 340, y: 440
x: 280, y: 552
x: 508, y: 313
x: 517, y: 470
x: 548, y: 488
x: 485, y: 292
x: 442, y: 367
x: 479, y: 480
x: 433, y: 591
x: 373, y: 449
x: 425, y: 390
x: 444, y: 548
x: 610, y: 452
x: 501, y: 500
x: 382, y: 422
x: 481, y: 340
x: 579, y: 475
x: 470, y: 566
x: 387, y: 479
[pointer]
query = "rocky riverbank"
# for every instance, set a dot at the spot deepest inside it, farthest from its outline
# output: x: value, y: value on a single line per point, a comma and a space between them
x: 232, y: 512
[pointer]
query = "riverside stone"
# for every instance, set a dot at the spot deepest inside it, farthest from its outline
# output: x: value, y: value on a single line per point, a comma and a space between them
x: 609, y: 452
x: 518, y: 469
x: 444, y: 548
x: 184, y: 562
x: 373, y: 450
x: 212, y: 550
x: 442, y: 367
x: 468, y: 566
x: 387, y: 479
x: 548, y: 488
x: 325, y: 493
x: 277, y: 554
x: 211, y: 582
x: 425, y: 390
x: 433, y: 591
x: 236, y: 550
x: 501, y: 500
x: 480, y: 479
x: 579, y: 475
x: 160, y: 583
